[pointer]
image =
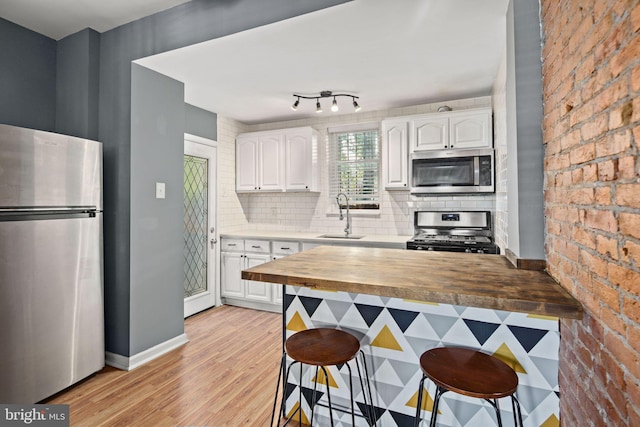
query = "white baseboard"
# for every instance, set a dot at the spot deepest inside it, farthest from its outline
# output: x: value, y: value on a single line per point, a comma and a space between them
x: 132, y: 362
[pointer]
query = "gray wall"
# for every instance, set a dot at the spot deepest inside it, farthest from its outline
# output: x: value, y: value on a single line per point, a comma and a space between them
x: 183, y: 25
x: 157, y: 111
x: 525, y: 147
x: 201, y: 122
x: 77, y: 84
x: 138, y: 314
x: 27, y: 78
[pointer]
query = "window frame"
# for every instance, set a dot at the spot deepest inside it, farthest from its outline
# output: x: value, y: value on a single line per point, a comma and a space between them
x: 332, y: 166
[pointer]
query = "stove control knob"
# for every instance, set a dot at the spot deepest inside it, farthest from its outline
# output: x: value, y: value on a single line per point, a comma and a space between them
x: 468, y: 250
x: 480, y: 251
x: 429, y: 248
x: 418, y: 248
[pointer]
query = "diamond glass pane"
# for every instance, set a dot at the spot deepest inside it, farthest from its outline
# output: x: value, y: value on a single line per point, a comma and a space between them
x: 195, y: 225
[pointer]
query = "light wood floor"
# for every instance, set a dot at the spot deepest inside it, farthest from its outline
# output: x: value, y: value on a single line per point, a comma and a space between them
x: 224, y: 376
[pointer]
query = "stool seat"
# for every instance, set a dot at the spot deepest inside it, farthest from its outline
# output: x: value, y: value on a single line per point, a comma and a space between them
x: 322, y: 347
x: 469, y: 372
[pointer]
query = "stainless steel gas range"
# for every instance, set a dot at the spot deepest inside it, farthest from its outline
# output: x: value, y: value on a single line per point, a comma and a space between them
x: 464, y: 231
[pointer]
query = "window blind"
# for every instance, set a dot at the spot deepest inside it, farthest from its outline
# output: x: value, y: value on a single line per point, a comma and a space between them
x: 354, y: 166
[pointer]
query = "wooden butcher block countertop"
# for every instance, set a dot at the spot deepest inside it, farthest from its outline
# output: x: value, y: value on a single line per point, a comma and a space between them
x: 474, y: 280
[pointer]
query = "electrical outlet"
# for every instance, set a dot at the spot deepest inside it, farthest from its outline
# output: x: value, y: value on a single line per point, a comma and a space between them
x: 160, y: 190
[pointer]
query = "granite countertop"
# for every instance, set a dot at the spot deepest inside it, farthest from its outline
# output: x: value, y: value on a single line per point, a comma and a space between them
x: 313, y: 237
x: 473, y: 280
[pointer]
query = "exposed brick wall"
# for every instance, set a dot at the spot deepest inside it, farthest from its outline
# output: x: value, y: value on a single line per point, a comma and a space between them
x: 591, y: 85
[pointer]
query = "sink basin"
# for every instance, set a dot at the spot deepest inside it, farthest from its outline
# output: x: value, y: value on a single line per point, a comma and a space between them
x: 341, y: 236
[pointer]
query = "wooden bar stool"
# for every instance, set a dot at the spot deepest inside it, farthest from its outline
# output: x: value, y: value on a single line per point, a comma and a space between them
x: 470, y: 373
x: 322, y: 347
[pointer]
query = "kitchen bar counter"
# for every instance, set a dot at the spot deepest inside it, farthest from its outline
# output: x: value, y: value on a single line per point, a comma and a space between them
x: 400, y: 303
x: 473, y: 280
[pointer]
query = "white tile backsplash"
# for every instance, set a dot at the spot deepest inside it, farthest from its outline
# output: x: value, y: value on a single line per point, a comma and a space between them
x: 308, y: 211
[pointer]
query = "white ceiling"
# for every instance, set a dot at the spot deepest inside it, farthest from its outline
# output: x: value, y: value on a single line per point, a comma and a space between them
x: 389, y: 53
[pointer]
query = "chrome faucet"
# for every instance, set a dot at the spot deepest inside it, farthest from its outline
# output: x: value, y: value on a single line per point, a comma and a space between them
x: 347, y: 229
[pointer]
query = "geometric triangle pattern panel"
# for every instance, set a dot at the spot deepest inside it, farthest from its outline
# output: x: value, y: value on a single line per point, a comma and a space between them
x: 394, y: 332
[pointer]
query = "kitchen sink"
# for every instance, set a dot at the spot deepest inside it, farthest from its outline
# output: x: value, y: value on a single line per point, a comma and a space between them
x: 341, y: 236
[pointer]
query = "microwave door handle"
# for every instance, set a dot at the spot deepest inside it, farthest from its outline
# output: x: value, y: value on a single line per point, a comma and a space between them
x: 476, y: 170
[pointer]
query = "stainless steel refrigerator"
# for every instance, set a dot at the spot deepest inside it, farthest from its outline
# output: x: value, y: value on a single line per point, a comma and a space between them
x: 51, y: 263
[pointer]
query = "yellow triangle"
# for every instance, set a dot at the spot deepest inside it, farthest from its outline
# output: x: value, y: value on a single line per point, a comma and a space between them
x: 505, y: 354
x: 321, y: 379
x: 296, y: 323
x: 552, y: 421
x: 427, y: 404
x: 540, y: 316
x: 421, y: 302
x: 385, y: 339
x: 305, y: 420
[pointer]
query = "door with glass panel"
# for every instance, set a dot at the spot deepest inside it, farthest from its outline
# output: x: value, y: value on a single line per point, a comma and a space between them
x: 200, y: 231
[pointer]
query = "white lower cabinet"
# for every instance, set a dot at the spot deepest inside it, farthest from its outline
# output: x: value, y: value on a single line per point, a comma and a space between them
x: 257, y: 291
x: 239, y: 254
x: 232, y: 264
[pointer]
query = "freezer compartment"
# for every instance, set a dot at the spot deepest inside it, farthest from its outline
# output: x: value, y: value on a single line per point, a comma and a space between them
x: 44, y: 169
x: 51, y: 305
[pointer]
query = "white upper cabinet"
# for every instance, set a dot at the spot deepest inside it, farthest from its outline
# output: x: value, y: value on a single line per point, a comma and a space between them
x: 430, y: 133
x: 270, y: 170
x: 301, y: 159
x: 280, y: 160
x: 471, y: 130
x: 259, y: 162
x: 247, y: 163
x: 452, y: 130
x: 395, y: 146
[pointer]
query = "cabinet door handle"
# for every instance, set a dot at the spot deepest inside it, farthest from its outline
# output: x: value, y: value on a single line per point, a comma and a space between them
x: 256, y: 247
x: 284, y: 249
x: 231, y: 244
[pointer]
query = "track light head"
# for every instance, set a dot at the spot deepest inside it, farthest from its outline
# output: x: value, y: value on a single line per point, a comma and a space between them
x: 356, y: 107
x: 294, y: 107
x: 334, y: 105
x: 318, y: 106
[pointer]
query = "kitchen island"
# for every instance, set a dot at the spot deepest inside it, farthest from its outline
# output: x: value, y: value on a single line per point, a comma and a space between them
x: 401, y: 303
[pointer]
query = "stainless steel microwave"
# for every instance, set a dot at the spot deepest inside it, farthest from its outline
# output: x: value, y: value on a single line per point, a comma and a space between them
x: 452, y: 171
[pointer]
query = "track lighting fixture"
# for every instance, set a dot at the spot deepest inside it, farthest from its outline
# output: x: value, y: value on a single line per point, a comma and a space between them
x: 325, y: 94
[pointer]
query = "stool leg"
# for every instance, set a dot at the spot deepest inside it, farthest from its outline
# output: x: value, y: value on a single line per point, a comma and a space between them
x: 275, y: 398
x: 353, y: 411
x: 326, y: 376
x: 313, y: 397
x: 436, y: 401
x: 496, y: 407
x: 419, y: 405
x: 300, y: 397
x: 515, y: 404
x: 370, y: 416
x: 282, y: 404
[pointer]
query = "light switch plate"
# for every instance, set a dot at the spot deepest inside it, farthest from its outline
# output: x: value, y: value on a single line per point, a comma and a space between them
x: 159, y: 190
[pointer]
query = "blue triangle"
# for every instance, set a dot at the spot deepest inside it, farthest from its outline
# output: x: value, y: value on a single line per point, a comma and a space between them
x: 369, y: 312
x: 377, y: 412
x: 288, y: 299
x: 481, y: 330
x: 310, y: 304
x: 403, y: 318
x: 527, y: 337
x: 403, y: 420
x: 308, y: 395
